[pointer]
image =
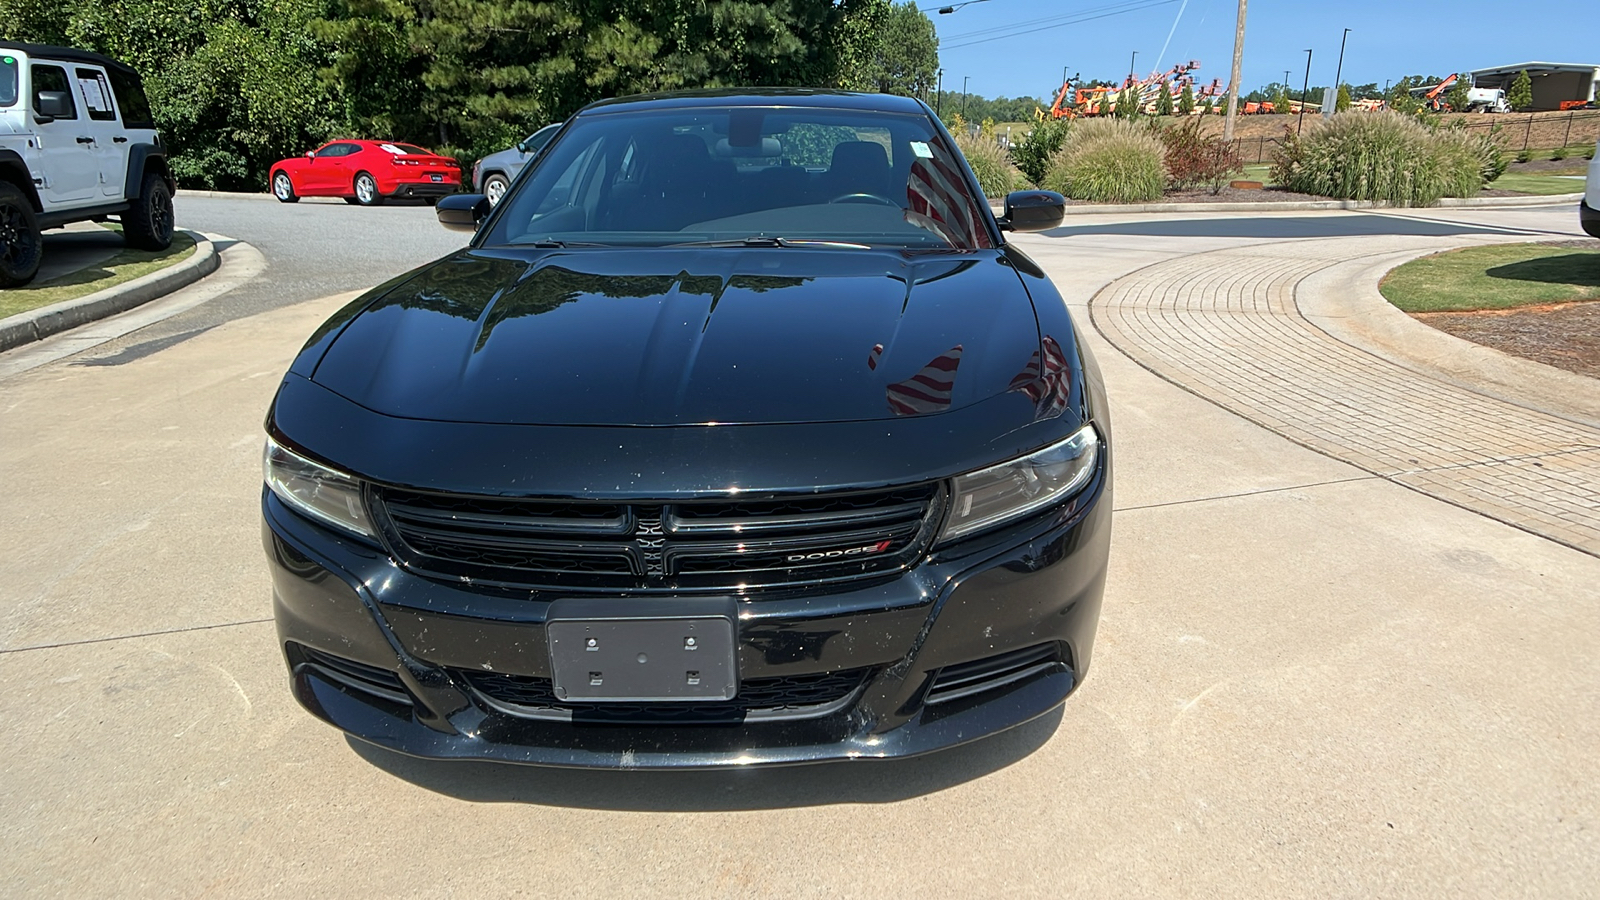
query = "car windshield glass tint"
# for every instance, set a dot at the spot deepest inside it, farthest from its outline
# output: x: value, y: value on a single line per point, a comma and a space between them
x: 405, y: 150
x: 8, y: 80
x: 747, y: 175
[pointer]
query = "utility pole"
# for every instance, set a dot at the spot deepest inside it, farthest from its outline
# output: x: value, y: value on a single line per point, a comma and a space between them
x: 964, y: 95
x: 1328, y: 109
x: 1233, y: 80
x: 1300, y: 126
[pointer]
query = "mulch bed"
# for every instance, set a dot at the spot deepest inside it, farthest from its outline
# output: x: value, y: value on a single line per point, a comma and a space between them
x: 1564, y: 335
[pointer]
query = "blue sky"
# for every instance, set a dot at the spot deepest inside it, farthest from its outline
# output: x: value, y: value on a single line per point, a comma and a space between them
x: 1388, y: 39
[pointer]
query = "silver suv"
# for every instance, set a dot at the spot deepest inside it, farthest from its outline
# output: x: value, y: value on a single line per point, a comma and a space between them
x: 494, y: 173
x: 77, y: 142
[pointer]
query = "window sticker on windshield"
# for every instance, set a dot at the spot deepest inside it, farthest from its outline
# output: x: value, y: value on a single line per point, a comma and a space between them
x: 921, y: 149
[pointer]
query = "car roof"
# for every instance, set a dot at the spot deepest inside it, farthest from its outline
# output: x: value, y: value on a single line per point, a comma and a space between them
x: 69, y: 54
x: 723, y: 97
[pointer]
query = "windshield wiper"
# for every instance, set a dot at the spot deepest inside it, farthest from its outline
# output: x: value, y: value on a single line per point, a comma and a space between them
x: 552, y: 243
x: 762, y: 240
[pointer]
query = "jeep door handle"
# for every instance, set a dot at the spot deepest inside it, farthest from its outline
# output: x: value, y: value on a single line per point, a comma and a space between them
x: 86, y: 140
x: 119, y: 140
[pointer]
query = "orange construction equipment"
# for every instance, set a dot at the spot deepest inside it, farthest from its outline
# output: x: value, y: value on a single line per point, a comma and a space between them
x: 1434, y: 98
x: 1102, y: 100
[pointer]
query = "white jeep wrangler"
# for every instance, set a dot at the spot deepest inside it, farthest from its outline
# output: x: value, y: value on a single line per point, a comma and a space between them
x: 77, y: 142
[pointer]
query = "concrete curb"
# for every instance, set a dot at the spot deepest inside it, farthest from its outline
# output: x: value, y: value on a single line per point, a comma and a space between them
x: 225, y: 195
x: 1344, y: 301
x: 1089, y: 209
x: 38, y: 324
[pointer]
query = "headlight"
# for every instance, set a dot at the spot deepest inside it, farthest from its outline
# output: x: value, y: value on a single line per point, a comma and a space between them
x: 1024, y: 485
x: 314, y: 489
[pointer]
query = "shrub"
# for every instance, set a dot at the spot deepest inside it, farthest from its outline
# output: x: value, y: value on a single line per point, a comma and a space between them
x: 996, y: 175
x: 1588, y: 152
x: 1523, y: 155
x: 1032, y: 153
x: 1560, y: 153
x: 1386, y: 157
x: 1109, y: 161
x: 1194, y: 159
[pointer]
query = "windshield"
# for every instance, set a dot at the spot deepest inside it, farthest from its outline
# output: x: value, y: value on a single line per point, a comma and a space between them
x: 792, y: 176
x: 8, y: 80
x: 405, y: 150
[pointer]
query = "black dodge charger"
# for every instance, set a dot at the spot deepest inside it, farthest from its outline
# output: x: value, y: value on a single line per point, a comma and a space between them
x: 738, y: 434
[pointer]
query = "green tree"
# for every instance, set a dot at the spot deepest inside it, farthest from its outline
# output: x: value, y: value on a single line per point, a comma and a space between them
x: 1520, y: 96
x: 1281, y: 100
x: 906, y: 60
x: 1186, y: 100
x: 1164, y: 100
x: 1456, y: 97
x: 1341, y: 100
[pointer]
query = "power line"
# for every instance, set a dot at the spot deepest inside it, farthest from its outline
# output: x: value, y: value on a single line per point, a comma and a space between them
x: 1118, y: 5
x: 1034, y: 26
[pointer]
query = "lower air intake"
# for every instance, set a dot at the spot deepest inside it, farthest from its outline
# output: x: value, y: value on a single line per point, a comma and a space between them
x: 967, y: 679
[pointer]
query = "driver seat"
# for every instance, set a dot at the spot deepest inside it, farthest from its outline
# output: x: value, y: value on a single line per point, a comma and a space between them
x: 858, y: 167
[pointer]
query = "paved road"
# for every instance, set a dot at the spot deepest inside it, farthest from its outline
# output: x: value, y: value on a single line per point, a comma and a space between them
x: 1311, y: 679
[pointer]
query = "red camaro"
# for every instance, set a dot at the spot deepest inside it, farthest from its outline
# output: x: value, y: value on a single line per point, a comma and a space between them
x: 365, y: 172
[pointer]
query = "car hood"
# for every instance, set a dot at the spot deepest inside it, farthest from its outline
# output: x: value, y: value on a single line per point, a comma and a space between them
x: 679, y: 336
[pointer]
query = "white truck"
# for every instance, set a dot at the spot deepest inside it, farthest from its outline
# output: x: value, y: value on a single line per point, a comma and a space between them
x: 1487, y: 100
x: 77, y: 143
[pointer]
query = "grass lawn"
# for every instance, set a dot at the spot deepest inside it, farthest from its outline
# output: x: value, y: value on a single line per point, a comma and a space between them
x: 1537, y: 184
x: 1261, y: 172
x: 1500, y: 277
x: 125, y: 266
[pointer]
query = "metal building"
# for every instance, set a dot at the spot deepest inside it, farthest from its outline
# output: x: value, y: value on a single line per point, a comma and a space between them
x: 1553, y: 83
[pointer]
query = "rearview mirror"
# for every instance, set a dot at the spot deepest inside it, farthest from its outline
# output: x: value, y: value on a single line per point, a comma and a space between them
x: 1033, y: 211
x: 53, y: 104
x: 462, y: 212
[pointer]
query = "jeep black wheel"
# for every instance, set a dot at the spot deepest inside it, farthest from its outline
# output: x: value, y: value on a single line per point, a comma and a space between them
x: 283, y: 188
x: 148, y: 225
x: 21, y: 245
x: 366, y: 188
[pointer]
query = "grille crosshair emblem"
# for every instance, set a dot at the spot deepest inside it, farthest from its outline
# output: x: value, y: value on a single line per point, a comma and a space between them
x: 650, y: 538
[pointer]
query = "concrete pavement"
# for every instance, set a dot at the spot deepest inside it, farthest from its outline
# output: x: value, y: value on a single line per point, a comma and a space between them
x: 1311, y: 680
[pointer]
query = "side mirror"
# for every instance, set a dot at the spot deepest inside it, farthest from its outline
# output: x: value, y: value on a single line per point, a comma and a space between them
x: 53, y: 104
x: 1033, y: 211
x: 311, y: 154
x: 462, y: 212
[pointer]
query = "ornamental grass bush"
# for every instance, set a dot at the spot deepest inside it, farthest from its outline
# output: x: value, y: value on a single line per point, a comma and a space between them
x: 990, y: 162
x: 1108, y: 160
x: 1386, y: 157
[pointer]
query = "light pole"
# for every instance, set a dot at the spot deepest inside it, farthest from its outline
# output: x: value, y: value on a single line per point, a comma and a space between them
x: 1300, y: 126
x: 1131, y: 67
x: 1338, y: 72
x: 938, y: 98
x: 964, y: 95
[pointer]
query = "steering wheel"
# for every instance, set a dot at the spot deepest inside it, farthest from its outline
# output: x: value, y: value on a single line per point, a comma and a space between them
x: 864, y: 198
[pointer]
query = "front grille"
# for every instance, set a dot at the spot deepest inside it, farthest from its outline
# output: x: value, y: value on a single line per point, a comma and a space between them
x: 689, y: 546
x: 778, y: 699
x: 967, y: 679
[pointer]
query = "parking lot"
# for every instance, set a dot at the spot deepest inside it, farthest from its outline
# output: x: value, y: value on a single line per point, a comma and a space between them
x: 1322, y: 670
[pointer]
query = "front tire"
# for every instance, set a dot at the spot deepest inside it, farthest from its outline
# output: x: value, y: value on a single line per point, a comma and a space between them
x: 148, y: 225
x: 283, y: 188
x: 366, y: 188
x: 21, y: 244
x: 494, y: 187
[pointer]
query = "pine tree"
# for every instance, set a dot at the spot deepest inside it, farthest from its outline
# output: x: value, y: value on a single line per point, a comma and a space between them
x: 1164, y: 102
x: 1186, y: 101
x: 1521, y: 94
x: 1341, y: 102
x: 1457, y: 96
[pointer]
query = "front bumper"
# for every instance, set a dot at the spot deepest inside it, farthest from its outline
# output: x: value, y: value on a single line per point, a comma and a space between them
x: 1589, y: 218
x: 1034, y: 585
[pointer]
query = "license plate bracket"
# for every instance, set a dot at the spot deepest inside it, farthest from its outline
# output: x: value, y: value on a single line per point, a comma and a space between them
x: 643, y: 651
x: 436, y: 177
